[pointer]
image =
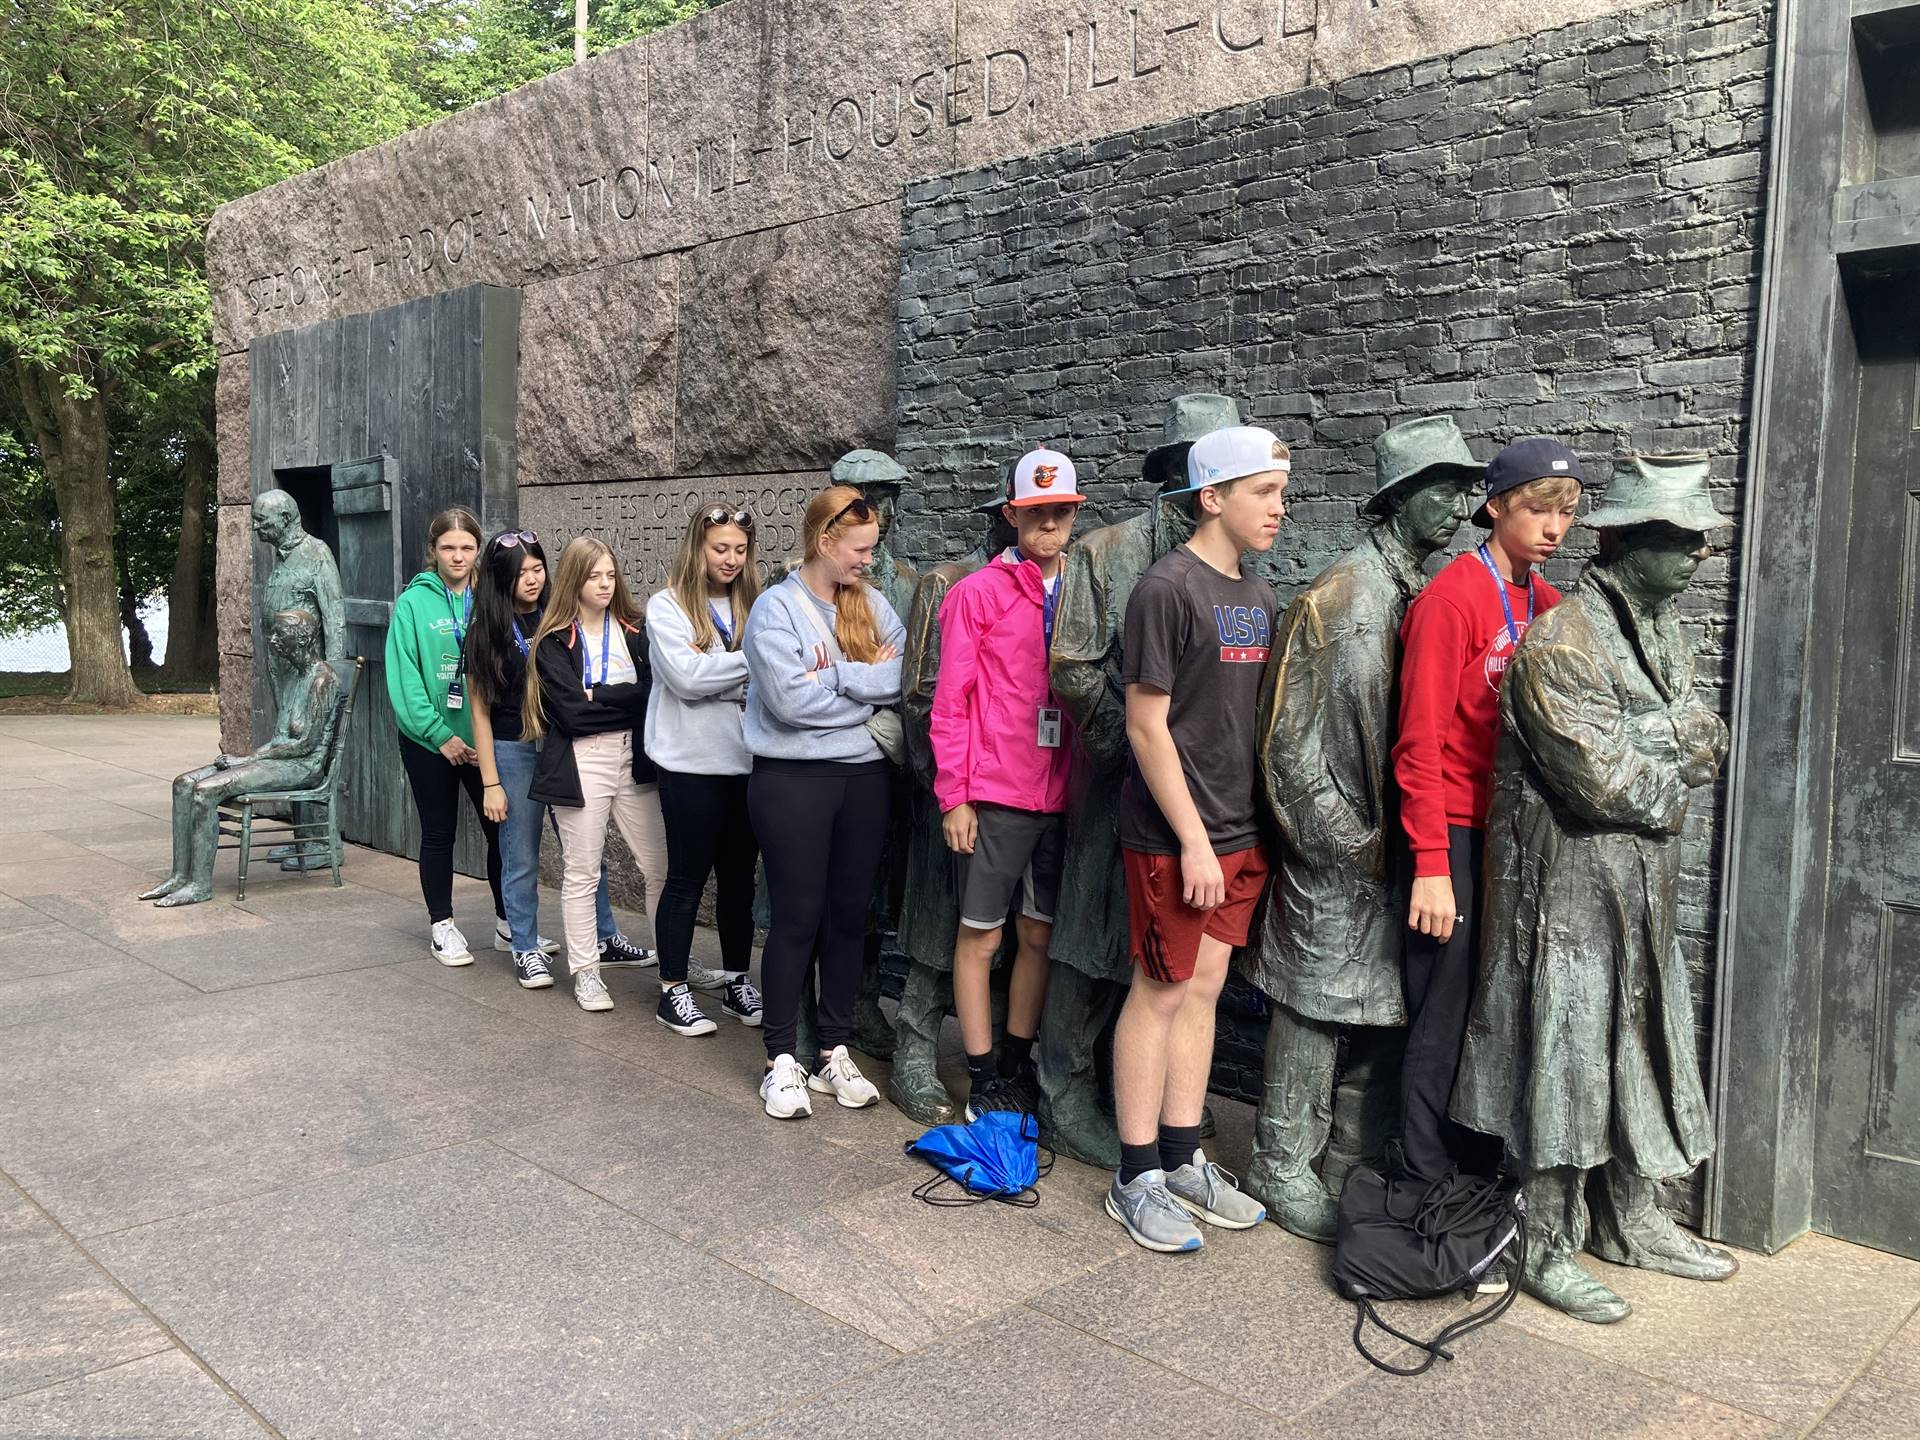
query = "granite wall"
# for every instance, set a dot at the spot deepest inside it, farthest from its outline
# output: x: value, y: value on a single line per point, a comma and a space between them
x: 705, y: 223
x: 1558, y: 234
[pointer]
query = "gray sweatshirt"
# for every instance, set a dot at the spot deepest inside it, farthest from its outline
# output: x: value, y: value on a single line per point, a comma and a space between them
x: 694, y: 712
x: 791, y: 716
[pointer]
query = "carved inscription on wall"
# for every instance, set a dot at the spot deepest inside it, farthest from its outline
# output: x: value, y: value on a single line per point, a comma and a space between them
x: 644, y: 520
x: 1023, y: 90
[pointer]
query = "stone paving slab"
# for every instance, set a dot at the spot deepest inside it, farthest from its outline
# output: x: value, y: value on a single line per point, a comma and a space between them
x: 60, y: 1317
x: 163, y: 1397
x: 543, y: 1310
x: 382, y: 1197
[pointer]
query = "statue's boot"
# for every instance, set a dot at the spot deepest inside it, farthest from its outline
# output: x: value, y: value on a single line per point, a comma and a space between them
x: 1630, y: 1228
x: 186, y: 895
x: 1556, y: 1279
x: 1300, y: 1204
x: 165, y: 888
x: 1291, y: 1124
x: 872, y: 1031
x: 312, y: 860
x: 915, y: 1085
x: 1072, y: 1122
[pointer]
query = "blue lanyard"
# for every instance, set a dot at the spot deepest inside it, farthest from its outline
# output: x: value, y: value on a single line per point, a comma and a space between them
x: 519, y: 637
x: 461, y: 614
x: 1051, y: 598
x: 726, y: 630
x: 1486, y: 559
x: 586, y: 658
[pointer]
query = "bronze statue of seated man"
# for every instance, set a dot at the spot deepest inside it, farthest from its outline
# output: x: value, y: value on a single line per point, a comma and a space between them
x: 295, y: 758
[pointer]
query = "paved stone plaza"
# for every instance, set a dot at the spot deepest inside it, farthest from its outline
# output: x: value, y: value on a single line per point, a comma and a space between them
x: 269, y: 1169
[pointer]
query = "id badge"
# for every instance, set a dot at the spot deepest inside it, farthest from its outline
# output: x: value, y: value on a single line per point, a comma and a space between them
x: 1048, y: 736
x: 456, y: 695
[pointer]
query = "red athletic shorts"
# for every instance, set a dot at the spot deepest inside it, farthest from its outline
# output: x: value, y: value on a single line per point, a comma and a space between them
x: 1163, y: 931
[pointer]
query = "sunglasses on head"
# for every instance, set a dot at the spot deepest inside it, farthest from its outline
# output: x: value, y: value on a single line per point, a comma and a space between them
x: 857, y: 507
x: 511, y: 539
x: 720, y: 515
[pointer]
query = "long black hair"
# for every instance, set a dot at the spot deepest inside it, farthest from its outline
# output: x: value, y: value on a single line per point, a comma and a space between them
x: 490, y: 642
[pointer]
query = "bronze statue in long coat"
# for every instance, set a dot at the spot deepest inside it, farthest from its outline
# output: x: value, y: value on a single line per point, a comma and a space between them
x: 1580, y: 1050
x: 1330, y: 946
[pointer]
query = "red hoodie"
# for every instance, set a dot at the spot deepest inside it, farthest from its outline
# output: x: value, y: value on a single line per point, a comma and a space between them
x: 1454, y: 648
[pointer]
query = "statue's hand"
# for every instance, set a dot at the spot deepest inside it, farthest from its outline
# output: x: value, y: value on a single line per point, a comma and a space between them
x: 223, y: 762
x: 1698, y: 770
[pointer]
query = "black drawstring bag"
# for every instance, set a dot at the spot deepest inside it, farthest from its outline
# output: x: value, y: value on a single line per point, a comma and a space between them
x: 1402, y: 1238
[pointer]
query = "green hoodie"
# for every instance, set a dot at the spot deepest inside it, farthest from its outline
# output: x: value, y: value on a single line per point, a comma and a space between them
x: 422, y: 658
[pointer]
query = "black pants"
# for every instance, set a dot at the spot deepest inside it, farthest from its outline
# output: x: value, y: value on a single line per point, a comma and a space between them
x: 1440, y: 980
x: 436, y: 783
x: 822, y: 830
x: 708, y: 831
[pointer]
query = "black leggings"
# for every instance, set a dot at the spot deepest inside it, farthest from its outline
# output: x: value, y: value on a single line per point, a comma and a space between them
x: 436, y: 783
x: 708, y: 830
x: 822, y: 829
x: 1440, y: 981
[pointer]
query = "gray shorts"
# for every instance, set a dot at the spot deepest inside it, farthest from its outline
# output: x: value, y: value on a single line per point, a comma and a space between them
x: 1016, y: 856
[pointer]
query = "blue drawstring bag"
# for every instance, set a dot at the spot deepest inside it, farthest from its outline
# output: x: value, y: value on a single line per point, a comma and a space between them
x: 997, y: 1157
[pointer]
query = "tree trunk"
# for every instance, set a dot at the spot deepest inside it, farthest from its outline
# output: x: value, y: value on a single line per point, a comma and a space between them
x: 139, y: 642
x: 189, y: 597
x: 72, y: 438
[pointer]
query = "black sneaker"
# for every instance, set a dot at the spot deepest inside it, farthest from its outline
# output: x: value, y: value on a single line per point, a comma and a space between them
x: 530, y: 969
x: 995, y: 1094
x: 678, y: 1012
x: 742, y: 1001
x: 620, y: 953
x: 1024, y: 1086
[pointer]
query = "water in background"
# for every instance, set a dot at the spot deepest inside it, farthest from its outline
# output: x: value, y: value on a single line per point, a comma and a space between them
x: 45, y: 651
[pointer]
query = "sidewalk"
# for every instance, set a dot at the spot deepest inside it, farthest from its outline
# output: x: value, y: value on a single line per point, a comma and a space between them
x: 268, y: 1169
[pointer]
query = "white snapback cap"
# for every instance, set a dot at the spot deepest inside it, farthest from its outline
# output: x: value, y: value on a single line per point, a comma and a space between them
x: 1233, y: 453
x: 1045, y: 477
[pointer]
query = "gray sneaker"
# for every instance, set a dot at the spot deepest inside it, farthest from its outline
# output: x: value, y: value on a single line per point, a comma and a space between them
x: 1153, y: 1217
x: 1214, y: 1194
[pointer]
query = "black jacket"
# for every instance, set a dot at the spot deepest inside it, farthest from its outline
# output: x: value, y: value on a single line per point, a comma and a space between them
x: 568, y: 714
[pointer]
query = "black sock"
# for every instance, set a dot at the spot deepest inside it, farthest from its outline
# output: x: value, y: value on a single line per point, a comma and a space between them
x: 979, y: 1069
x: 1015, y: 1051
x: 1177, y: 1144
x: 1135, y: 1160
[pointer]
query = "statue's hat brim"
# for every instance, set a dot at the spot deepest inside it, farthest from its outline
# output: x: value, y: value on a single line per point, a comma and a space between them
x: 1419, y: 452
x: 868, y: 467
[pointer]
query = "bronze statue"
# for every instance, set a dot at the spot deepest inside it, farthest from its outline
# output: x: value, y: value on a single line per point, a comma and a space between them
x: 929, y: 910
x: 1580, y: 1051
x: 295, y: 758
x: 1330, y: 947
x: 1090, y: 931
x: 305, y: 577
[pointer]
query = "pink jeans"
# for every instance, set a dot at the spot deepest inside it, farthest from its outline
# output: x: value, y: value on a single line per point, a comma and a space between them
x: 605, y: 763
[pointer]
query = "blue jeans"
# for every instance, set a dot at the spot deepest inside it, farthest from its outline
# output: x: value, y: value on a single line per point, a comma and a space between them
x: 520, y: 849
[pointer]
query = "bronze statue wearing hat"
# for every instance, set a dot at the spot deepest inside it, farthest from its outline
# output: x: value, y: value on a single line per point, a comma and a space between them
x: 1580, y: 1049
x: 1090, y: 930
x: 1330, y: 950
x: 929, y: 909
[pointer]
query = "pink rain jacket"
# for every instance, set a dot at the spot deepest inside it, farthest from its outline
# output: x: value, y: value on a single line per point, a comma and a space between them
x: 992, y: 684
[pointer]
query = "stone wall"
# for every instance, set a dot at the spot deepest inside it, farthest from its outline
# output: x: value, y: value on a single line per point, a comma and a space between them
x: 1558, y: 234
x: 705, y: 222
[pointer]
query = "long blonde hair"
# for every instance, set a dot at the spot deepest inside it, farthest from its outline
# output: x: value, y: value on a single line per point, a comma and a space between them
x: 688, y: 579
x: 853, y: 624
x: 583, y: 552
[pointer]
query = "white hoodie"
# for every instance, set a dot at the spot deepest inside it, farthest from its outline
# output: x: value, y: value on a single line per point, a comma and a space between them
x: 694, y: 713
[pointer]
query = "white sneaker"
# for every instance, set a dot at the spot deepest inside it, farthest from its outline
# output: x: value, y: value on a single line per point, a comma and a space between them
x: 783, y: 1090
x: 700, y: 977
x: 449, y: 946
x: 503, y: 939
x: 590, y: 991
x: 841, y: 1078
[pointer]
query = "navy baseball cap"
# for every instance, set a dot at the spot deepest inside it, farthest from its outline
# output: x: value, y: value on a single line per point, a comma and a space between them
x: 1523, y: 462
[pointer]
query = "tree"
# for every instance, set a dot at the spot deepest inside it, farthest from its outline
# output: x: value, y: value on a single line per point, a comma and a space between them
x: 122, y: 126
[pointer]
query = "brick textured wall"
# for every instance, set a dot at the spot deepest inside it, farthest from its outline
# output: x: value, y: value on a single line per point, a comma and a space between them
x: 1554, y: 235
